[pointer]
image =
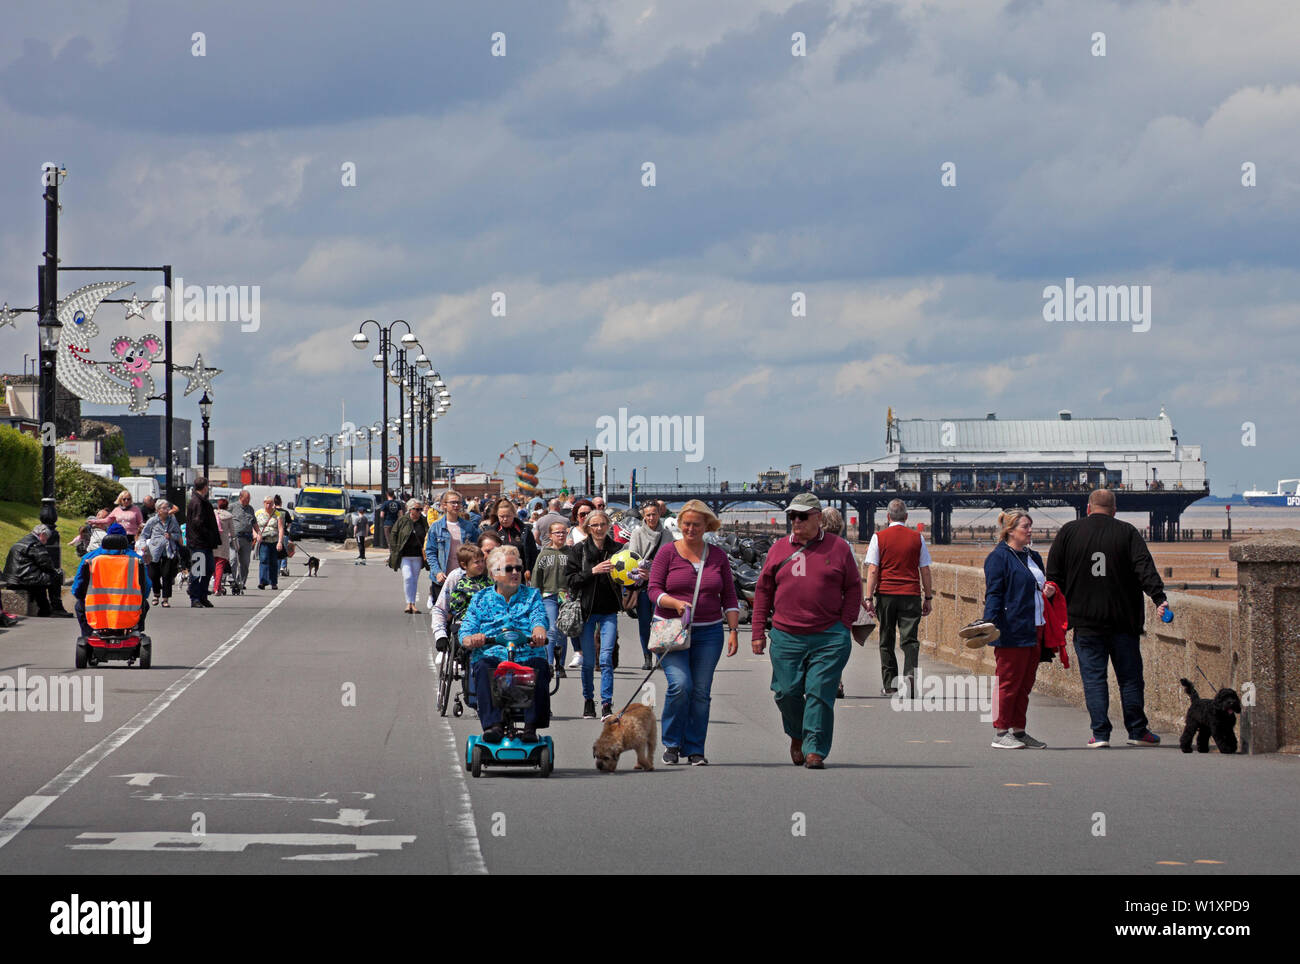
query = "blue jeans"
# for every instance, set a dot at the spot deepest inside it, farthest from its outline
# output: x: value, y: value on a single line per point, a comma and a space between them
x: 685, y: 722
x: 557, y: 639
x: 645, y: 611
x: 608, y: 624
x: 1124, y: 652
x: 268, y: 565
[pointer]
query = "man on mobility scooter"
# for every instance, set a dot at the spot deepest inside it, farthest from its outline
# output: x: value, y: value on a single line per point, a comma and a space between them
x: 111, y: 587
x: 498, y: 628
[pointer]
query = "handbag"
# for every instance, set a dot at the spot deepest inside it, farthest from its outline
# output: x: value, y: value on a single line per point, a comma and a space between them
x: 631, y: 600
x: 569, y: 621
x: 863, y: 626
x: 669, y: 635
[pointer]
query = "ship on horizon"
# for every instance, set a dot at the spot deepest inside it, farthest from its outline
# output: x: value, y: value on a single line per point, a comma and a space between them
x: 1284, y: 496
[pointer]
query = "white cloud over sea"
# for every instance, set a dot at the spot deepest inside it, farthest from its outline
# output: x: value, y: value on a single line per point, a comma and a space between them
x: 775, y: 174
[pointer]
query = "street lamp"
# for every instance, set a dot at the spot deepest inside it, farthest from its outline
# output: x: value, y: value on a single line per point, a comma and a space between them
x: 205, y: 410
x: 380, y: 360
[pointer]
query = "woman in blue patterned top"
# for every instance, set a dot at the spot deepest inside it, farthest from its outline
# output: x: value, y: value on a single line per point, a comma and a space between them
x: 507, y: 606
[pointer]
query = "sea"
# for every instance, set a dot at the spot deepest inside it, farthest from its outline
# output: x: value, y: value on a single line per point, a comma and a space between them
x: 1199, y: 516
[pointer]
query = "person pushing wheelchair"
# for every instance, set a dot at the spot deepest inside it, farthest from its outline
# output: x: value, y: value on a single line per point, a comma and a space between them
x: 507, y: 606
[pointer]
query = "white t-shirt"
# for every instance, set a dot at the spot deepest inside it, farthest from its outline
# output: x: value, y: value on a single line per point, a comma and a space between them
x: 1041, y: 579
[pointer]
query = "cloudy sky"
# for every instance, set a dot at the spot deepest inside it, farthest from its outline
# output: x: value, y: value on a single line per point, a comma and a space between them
x: 774, y: 174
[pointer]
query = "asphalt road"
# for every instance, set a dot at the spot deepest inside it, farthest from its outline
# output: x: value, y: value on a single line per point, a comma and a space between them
x: 296, y: 732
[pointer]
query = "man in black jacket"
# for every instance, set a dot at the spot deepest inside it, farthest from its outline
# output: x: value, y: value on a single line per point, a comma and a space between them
x: 1104, y: 567
x: 201, y: 536
x: 29, y: 566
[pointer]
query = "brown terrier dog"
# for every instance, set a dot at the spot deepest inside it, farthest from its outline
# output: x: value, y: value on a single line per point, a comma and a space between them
x: 634, y: 730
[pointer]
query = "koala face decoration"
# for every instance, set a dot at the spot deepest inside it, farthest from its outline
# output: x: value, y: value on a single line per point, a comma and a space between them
x: 134, y: 360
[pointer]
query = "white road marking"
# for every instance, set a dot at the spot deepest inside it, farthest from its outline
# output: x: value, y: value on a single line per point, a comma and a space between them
x: 229, y: 797
x: 350, y: 818
x: 458, y: 816
x: 183, y: 840
x: 29, y: 808
x: 358, y: 856
x: 141, y: 779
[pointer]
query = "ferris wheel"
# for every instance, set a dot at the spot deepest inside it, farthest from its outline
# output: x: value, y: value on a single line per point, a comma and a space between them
x: 537, y: 468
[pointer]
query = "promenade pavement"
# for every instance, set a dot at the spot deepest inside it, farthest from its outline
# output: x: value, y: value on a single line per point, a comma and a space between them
x: 296, y: 732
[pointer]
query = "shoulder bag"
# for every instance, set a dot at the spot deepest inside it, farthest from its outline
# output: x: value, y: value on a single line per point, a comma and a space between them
x: 779, y: 566
x: 670, y: 635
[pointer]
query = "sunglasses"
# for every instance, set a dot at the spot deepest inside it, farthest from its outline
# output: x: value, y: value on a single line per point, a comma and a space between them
x: 799, y: 516
x: 512, y: 568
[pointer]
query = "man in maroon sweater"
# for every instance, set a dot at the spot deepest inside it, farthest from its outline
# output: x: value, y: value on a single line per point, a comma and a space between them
x: 811, y: 587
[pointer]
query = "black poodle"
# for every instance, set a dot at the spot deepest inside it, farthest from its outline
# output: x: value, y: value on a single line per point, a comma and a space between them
x: 1210, y: 718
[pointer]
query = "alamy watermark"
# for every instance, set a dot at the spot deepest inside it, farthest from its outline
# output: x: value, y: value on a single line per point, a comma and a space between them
x: 1118, y: 304
x: 656, y: 433
x: 53, y: 694
x: 127, y: 918
x: 219, y: 303
x: 951, y: 694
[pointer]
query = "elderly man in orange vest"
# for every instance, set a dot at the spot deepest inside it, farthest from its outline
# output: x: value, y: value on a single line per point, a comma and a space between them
x: 898, y: 593
x: 111, y: 586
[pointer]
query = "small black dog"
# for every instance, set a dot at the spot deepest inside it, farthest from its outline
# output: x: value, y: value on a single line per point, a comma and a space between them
x: 1210, y: 718
x: 313, y: 565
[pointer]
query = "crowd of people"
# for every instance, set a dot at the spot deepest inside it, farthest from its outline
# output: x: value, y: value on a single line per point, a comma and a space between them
x: 487, y: 575
x: 809, y: 603
x: 209, y: 548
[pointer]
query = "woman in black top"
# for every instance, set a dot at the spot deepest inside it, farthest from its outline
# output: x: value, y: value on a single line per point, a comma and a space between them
x: 514, y: 533
x: 589, y: 582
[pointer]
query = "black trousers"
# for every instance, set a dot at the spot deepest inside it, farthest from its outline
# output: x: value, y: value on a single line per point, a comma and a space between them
x: 48, y: 597
x: 901, y: 615
x: 162, y: 574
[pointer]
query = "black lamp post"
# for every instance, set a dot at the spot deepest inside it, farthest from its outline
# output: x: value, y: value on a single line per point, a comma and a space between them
x: 205, y: 410
x: 49, y: 328
x: 380, y: 361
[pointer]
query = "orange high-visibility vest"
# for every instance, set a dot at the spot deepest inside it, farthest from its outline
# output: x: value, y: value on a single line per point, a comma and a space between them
x: 114, y: 597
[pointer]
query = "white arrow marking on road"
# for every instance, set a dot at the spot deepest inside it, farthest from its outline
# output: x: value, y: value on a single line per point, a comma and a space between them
x: 141, y: 779
x: 350, y: 818
x: 184, y: 841
x: 236, y: 797
x: 22, y: 813
x: 356, y: 856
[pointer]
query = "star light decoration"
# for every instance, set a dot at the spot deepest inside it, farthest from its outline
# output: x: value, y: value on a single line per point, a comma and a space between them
x: 7, y: 317
x: 200, y: 376
x: 135, y: 308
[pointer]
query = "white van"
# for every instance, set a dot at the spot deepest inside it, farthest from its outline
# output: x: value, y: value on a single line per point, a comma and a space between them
x: 140, y: 487
x: 257, y: 493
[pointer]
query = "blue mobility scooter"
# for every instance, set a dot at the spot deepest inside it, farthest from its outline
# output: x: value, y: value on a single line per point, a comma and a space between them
x: 513, y: 686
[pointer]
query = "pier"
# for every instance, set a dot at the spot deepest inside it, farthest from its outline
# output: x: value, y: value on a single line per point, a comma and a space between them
x: 1163, y: 506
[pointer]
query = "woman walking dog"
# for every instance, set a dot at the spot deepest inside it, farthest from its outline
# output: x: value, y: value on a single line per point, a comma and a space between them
x: 678, y: 569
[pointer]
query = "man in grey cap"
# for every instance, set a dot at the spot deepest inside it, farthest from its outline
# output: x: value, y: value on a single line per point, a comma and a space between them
x: 811, y: 587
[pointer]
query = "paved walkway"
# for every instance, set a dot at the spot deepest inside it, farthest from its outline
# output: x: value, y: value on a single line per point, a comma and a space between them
x: 297, y: 732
